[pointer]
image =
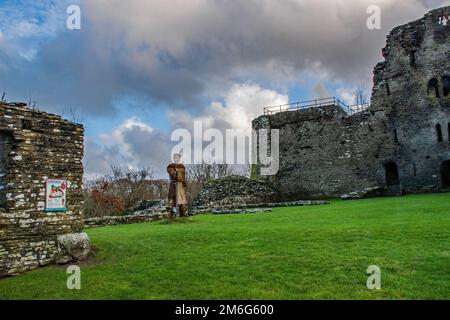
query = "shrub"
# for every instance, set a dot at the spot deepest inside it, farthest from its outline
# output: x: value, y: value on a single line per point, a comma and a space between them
x: 120, y: 190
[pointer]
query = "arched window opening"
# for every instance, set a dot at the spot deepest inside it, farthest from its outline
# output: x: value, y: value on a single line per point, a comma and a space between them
x: 439, y: 133
x: 392, y: 177
x: 448, y: 131
x: 412, y: 58
x: 446, y: 85
x: 433, y: 85
x: 445, y: 174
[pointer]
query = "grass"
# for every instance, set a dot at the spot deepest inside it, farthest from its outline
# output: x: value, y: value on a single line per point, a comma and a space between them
x: 293, y: 253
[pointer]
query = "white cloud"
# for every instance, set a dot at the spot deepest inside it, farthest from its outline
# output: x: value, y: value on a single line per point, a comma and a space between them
x: 118, y: 138
x: 347, y: 95
x: 35, y: 19
x: 24, y: 29
x: 241, y: 104
x: 174, y: 52
x: 117, y: 135
x: 133, y: 144
x: 28, y: 25
x: 277, y: 39
x: 181, y: 53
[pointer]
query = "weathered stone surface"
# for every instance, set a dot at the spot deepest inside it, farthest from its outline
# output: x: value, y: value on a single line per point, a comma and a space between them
x: 300, y: 203
x: 144, y: 211
x: 129, y: 219
x: 325, y: 152
x: 35, y: 146
x: 365, y: 193
x: 149, y: 207
x: 73, y: 247
x: 156, y: 211
x: 234, y: 191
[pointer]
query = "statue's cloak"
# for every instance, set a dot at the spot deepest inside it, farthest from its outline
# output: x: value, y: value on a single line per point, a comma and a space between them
x: 177, y: 188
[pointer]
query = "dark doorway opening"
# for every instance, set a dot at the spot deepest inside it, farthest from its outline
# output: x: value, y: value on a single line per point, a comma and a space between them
x: 433, y: 86
x: 412, y: 58
x: 448, y: 131
x: 392, y: 177
x: 446, y: 85
x: 439, y: 133
x: 445, y: 174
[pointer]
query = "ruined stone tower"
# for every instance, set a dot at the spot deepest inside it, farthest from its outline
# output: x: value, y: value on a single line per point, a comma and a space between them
x: 35, y: 147
x: 400, y: 144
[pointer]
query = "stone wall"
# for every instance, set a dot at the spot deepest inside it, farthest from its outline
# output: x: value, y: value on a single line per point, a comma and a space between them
x: 416, y: 55
x: 5, y: 146
x: 323, y: 152
x: 36, y: 146
x: 130, y: 219
x: 393, y: 145
x: 234, y: 191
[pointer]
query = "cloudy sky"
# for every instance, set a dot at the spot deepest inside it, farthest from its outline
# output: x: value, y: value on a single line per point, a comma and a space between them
x: 138, y: 69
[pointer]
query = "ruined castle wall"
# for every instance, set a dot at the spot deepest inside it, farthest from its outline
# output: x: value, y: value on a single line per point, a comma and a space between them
x: 326, y: 153
x: 35, y: 146
x: 323, y: 151
x: 416, y: 55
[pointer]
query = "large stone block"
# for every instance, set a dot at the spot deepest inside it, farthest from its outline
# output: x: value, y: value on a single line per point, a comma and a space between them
x: 73, y: 247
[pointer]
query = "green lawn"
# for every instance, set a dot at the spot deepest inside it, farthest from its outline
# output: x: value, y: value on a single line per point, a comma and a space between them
x: 293, y: 253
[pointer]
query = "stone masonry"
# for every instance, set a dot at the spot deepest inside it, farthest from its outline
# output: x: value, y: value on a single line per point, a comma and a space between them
x: 401, y: 143
x: 233, y: 191
x: 35, y: 146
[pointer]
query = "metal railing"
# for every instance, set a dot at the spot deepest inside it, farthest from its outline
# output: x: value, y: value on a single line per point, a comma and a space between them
x: 325, y: 102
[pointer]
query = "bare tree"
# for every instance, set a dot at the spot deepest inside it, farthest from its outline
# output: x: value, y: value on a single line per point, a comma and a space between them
x: 202, y: 173
x: 361, y: 94
x: 129, y: 185
x: 72, y: 114
x: 75, y: 116
x: 3, y: 96
x: 120, y: 190
x: 160, y: 188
